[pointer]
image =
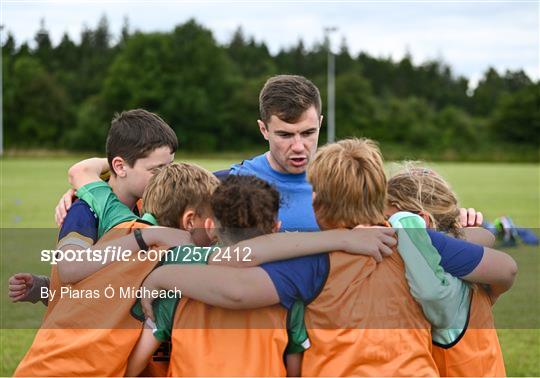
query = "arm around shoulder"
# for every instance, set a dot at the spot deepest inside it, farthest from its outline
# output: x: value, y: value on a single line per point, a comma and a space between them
x: 226, y: 287
x: 86, y: 171
x: 496, y: 269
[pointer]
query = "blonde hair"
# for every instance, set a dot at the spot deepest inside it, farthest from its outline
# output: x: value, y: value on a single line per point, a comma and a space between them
x: 175, y: 188
x: 420, y: 189
x: 350, y: 184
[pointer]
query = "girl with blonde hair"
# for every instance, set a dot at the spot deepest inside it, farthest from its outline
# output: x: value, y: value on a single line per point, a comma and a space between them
x: 464, y: 335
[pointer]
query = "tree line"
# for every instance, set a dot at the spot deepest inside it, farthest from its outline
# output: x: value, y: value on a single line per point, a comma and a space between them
x: 64, y: 96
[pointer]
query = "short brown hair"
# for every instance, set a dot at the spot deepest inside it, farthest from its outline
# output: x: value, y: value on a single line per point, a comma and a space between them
x: 175, y: 188
x: 420, y: 189
x: 350, y: 184
x: 287, y: 97
x: 245, y: 207
x: 134, y: 134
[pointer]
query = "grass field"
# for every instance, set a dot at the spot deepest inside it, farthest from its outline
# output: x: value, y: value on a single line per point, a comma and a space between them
x: 30, y: 189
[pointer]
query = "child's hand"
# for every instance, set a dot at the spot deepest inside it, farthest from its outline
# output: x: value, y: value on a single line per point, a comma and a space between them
x: 470, y: 217
x: 19, y: 286
x: 63, y: 206
x: 371, y: 241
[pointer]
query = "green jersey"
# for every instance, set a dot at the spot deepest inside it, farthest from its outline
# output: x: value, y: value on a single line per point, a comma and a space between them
x: 445, y: 299
x: 106, y: 205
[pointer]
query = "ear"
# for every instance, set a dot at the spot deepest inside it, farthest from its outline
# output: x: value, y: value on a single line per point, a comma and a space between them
x: 276, y: 227
x: 263, y: 129
x: 187, y: 219
x: 390, y: 210
x: 313, y: 195
x: 118, y: 166
x: 210, y: 228
x: 426, y: 218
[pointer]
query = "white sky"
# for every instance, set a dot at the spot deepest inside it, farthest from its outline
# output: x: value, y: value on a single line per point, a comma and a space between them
x: 470, y: 36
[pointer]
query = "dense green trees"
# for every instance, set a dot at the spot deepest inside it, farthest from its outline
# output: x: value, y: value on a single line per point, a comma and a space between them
x: 64, y: 96
x: 517, y: 118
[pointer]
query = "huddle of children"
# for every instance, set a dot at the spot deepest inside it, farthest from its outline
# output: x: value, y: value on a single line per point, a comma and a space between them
x: 344, y: 301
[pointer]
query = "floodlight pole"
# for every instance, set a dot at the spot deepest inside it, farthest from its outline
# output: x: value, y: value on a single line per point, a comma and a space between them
x: 330, y: 75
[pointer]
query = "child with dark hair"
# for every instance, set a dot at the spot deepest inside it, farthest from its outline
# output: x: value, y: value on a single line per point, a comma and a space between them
x: 138, y: 142
x: 244, y: 207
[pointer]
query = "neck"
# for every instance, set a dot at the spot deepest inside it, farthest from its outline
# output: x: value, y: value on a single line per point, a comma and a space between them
x: 122, y: 193
x: 273, y: 163
x: 223, y: 239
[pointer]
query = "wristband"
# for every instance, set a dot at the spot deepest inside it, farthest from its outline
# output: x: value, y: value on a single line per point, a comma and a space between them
x: 140, y: 241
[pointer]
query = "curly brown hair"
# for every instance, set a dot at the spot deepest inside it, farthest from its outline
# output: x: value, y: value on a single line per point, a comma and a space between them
x: 245, y: 207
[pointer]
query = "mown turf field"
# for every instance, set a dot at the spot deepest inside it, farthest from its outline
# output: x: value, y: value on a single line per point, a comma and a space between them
x: 30, y: 189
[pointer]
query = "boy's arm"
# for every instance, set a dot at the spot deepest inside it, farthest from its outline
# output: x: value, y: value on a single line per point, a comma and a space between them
x: 74, y: 271
x: 479, y: 235
x: 87, y: 171
x: 444, y: 299
x: 294, y: 364
x: 496, y: 269
x: 475, y: 263
x: 110, y: 212
x: 142, y: 352
x: 65, y: 202
x: 226, y: 287
x: 372, y: 241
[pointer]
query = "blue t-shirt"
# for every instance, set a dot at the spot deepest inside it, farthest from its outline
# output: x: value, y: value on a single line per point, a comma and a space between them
x: 458, y: 257
x: 304, y: 277
x: 296, y: 209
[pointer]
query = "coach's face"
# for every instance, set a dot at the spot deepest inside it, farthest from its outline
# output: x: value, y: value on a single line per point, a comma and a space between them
x: 292, y: 145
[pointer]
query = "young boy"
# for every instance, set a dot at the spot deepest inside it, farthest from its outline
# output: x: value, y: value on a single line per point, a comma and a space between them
x: 138, y: 142
x: 85, y: 325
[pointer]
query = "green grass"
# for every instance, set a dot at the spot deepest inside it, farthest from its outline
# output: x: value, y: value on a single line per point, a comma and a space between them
x: 30, y: 189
